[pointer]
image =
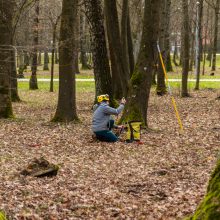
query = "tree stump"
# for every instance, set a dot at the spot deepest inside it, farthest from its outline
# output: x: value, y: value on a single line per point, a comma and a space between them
x: 40, y: 168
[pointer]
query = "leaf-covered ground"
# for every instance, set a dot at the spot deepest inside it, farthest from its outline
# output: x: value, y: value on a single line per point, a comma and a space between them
x: 165, y: 178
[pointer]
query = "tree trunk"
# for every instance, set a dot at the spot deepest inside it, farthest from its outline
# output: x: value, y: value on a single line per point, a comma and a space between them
x: 6, y: 39
x: 198, y: 40
x: 52, y: 58
x: 175, y: 54
x: 66, y: 108
x: 103, y: 81
x: 13, y: 78
x: 130, y: 45
x: 83, y: 57
x: 136, y: 108
x: 124, y: 38
x: 168, y: 62
x: 21, y: 66
x: 185, y: 48
x: 215, y: 42
x: 26, y: 59
x: 120, y: 87
x: 206, y: 38
x: 76, y: 57
x: 192, y: 51
x: 209, y: 207
x: 161, y: 86
x: 39, y: 59
x: 56, y: 56
x: 46, y: 60
x: 33, y: 80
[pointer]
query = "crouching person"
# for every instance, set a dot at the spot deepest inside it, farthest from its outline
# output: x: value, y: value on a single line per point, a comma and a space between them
x: 102, y: 122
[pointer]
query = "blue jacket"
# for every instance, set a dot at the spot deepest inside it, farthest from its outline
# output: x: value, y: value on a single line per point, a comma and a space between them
x: 102, y: 116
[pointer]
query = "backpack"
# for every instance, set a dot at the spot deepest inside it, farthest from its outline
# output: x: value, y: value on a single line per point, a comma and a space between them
x: 133, y: 131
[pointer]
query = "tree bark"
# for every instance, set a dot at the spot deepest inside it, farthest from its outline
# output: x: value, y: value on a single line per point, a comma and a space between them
x: 52, y: 58
x: 103, y: 81
x: 120, y: 86
x: 199, y: 45
x: 130, y: 45
x: 209, y: 207
x: 215, y: 42
x: 185, y: 48
x: 192, y: 51
x: 206, y: 38
x: 13, y: 78
x: 21, y: 66
x: 83, y: 57
x: 46, y: 60
x: 26, y: 59
x: 33, y: 80
x: 124, y: 38
x: 76, y: 57
x: 161, y: 85
x: 175, y: 54
x: 39, y: 58
x: 56, y: 56
x: 6, y: 29
x: 136, y: 108
x: 168, y: 62
x: 66, y: 108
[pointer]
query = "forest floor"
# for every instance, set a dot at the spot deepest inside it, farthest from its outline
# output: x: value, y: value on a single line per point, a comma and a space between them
x: 163, y: 179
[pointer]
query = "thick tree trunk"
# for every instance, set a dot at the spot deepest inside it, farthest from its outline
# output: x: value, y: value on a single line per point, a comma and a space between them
x: 120, y: 86
x: 33, y: 80
x: 185, y: 48
x: 66, y: 108
x: 103, y: 81
x: 136, y: 108
x: 209, y: 207
x: 215, y: 42
x: 6, y: 16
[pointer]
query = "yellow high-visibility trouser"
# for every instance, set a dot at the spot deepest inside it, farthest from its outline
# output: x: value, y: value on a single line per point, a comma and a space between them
x: 134, y: 131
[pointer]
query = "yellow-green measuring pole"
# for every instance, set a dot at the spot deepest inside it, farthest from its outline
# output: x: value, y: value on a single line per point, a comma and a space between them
x: 169, y: 89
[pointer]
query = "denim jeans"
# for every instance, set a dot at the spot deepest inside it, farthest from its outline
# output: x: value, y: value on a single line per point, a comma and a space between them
x: 107, y: 136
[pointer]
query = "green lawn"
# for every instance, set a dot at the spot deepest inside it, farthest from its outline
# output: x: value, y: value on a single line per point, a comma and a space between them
x: 88, y: 74
x: 45, y: 86
x: 90, y: 86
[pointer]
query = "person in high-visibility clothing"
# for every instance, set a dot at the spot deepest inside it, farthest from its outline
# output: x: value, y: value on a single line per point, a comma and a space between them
x: 102, y: 122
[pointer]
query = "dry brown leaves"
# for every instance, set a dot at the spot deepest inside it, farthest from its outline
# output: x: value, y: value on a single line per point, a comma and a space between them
x: 165, y: 178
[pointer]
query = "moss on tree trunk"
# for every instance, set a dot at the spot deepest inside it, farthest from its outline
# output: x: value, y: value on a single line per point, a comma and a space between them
x: 209, y: 208
x: 141, y: 80
x: 2, y: 215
